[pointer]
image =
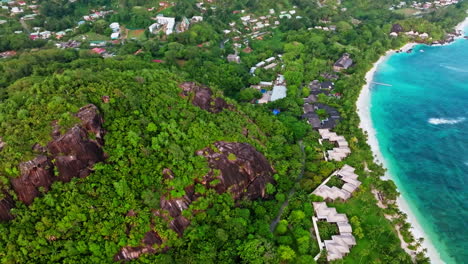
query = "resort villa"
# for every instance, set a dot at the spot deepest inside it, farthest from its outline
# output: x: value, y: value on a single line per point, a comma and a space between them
x: 343, y: 63
x: 341, y: 150
x: 339, y: 245
x: 351, y: 184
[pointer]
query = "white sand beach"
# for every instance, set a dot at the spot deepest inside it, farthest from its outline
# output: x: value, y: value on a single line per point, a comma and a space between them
x: 363, y: 106
x: 462, y: 25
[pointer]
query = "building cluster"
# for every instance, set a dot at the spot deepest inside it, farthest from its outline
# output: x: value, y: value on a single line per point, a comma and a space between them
x: 341, y: 149
x: 278, y: 92
x: 397, y: 29
x: 339, y: 245
x: 168, y: 24
x: 95, y: 15
x: 424, y: 5
x: 351, y: 184
x: 19, y: 7
x: 267, y: 64
x: 324, y: 28
x: 311, y: 106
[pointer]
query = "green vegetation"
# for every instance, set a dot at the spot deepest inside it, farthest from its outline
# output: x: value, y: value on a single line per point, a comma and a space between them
x: 150, y: 127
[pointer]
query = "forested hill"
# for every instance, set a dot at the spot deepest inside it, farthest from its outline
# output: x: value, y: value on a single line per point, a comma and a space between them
x: 153, y: 131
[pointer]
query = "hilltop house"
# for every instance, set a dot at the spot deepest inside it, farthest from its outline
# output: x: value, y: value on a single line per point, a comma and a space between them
x: 163, y: 23
x: 343, y: 63
x: 233, y: 58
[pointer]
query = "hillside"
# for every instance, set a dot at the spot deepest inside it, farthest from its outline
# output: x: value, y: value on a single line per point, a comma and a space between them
x: 154, y: 132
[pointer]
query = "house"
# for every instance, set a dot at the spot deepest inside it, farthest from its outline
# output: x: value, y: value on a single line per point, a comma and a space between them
x: 16, y: 10
x: 45, y: 34
x: 98, y: 50
x: 60, y: 34
x: 343, y: 63
x: 115, y: 27
x: 163, y: 23
x: 269, y: 60
x: 266, y: 84
x: 339, y: 245
x: 115, y: 35
x: 424, y: 35
x: 265, y: 98
x: 196, y: 19
x: 270, y: 66
x: 7, y: 54
x: 393, y: 34
x: 233, y: 58
x: 327, y: 85
x: 183, y: 25
x: 279, y: 92
x: 3, y: 22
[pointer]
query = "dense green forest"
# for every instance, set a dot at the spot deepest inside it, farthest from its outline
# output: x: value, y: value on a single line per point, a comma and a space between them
x: 157, y: 138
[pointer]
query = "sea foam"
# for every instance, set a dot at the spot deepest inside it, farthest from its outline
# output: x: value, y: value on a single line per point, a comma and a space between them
x: 454, y: 68
x: 446, y: 121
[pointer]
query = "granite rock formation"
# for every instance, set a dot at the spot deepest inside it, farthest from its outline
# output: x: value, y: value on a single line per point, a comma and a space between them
x: 202, y: 97
x: 72, y: 155
x: 244, y: 171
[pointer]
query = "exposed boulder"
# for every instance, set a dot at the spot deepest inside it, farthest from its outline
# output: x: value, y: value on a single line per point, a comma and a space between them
x: 91, y: 120
x: 127, y: 253
x: 243, y: 170
x: 6, y: 204
x: 202, y: 96
x: 397, y: 28
x: 73, y: 153
x: 35, y: 174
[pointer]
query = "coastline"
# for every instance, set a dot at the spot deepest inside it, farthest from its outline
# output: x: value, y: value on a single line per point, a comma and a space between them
x: 363, y: 105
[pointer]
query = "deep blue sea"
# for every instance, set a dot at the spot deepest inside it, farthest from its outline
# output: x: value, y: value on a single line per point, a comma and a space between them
x: 421, y: 123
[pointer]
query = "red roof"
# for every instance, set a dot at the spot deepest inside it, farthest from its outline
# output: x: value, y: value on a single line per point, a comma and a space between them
x: 158, y: 61
x: 98, y: 50
x: 8, y: 53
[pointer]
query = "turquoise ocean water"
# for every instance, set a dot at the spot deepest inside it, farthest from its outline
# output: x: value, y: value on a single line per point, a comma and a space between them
x: 421, y: 123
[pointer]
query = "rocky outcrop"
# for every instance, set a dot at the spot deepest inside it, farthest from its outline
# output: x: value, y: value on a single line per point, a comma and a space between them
x: 6, y: 204
x: 127, y: 253
x: 75, y: 153
x: 243, y: 170
x: 202, y: 97
x: 71, y: 155
x: 176, y: 206
x: 36, y: 174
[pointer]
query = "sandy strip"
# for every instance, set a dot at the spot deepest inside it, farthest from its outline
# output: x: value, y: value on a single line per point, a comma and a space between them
x: 363, y: 106
x: 462, y: 25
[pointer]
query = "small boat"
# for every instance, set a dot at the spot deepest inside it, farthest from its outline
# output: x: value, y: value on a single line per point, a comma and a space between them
x: 421, y: 50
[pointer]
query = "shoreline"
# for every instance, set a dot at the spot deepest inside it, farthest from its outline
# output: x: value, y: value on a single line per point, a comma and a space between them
x: 363, y: 105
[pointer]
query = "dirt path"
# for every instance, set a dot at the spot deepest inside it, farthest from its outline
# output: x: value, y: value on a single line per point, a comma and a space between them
x: 25, y: 26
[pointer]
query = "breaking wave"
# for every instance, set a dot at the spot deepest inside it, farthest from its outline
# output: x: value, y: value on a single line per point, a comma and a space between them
x: 444, y: 121
x: 453, y: 68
